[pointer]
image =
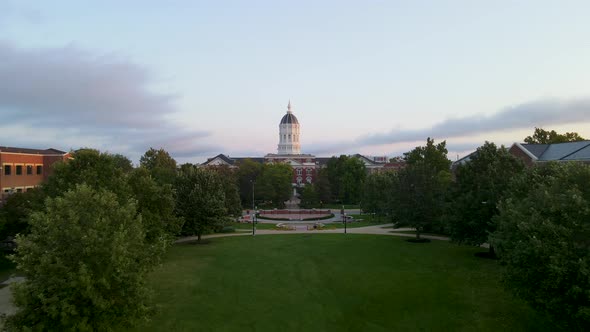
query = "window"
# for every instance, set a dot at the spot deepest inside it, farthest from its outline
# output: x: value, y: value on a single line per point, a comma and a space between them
x: 299, y: 171
x: 7, y: 169
x: 299, y: 179
x: 29, y: 169
x: 39, y: 169
x: 309, y: 171
x: 308, y: 179
x: 19, y: 169
x: 19, y: 190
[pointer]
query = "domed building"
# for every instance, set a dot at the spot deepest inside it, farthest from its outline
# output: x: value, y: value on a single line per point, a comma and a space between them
x: 305, y: 166
x: 289, y: 133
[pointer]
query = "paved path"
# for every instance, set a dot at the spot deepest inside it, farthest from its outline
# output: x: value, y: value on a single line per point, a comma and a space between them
x: 6, y: 306
x: 376, y: 230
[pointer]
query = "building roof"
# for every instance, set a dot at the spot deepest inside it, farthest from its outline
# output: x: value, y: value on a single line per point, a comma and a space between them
x: 289, y: 118
x: 51, y: 151
x: 536, y: 149
x: 568, y: 151
x: 231, y: 161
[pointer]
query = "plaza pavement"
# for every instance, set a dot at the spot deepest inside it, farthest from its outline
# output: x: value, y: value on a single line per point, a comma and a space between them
x: 302, y: 229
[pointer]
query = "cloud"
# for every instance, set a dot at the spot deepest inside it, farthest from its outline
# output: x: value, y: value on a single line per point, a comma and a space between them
x: 527, y: 115
x: 108, y: 98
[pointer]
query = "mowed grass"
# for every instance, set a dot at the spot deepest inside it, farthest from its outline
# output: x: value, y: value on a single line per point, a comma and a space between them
x: 333, y: 282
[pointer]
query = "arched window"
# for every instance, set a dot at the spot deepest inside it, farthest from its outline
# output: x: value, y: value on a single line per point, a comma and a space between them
x: 299, y: 179
x: 308, y: 179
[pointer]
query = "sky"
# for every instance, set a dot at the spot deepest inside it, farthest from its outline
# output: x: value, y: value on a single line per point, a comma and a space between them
x: 199, y: 78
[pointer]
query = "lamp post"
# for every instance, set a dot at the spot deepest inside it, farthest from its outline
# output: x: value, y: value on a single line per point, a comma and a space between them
x: 253, y: 210
x: 343, y: 218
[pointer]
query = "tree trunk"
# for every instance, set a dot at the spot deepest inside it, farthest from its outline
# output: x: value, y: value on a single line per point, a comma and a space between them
x: 198, y: 237
x: 417, y: 233
x: 491, y: 251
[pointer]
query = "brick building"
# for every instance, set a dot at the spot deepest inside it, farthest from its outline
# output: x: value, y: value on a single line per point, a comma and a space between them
x: 23, y: 169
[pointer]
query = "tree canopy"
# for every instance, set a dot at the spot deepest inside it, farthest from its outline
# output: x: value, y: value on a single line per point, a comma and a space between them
x: 275, y: 183
x: 345, y: 176
x: 200, y: 201
x: 542, y: 136
x: 543, y: 239
x: 85, y: 261
x: 418, y: 195
x: 479, y: 186
x: 160, y: 164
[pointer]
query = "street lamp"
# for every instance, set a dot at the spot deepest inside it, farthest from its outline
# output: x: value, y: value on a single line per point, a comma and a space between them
x: 253, y: 210
x: 343, y: 218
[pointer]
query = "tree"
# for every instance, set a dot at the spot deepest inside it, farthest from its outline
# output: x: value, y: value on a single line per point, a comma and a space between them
x: 351, y: 183
x: 97, y: 170
x: 153, y: 159
x: 160, y: 164
x: 542, y: 136
x: 377, y: 192
x: 543, y: 239
x: 156, y: 204
x: 309, y: 196
x: 274, y: 183
x: 200, y: 201
x: 103, y: 171
x: 346, y: 176
x: 322, y: 187
x: 85, y: 262
x: 229, y: 182
x: 479, y: 186
x: 418, y: 195
x: 17, y: 209
x: 248, y: 172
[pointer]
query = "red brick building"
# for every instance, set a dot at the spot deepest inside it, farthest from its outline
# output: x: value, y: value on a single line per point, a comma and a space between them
x: 23, y: 169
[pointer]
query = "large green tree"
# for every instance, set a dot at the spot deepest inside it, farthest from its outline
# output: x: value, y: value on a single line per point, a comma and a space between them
x: 275, y: 183
x: 479, y: 186
x: 309, y: 196
x: 160, y: 164
x: 418, y: 196
x: 103, y: 171
x: 346, y: 176
x: 378, y: 189
x: 200, y: 201
x: 542, y: 136
x: 543, y: 239
x: 322, y: 186
x: 89, y: 166
x: 17, y: 209
x: 247, y: 174
x: 85, y: 262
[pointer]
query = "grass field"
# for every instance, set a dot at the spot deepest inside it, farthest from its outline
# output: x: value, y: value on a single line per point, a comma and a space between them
x: 331, y: 282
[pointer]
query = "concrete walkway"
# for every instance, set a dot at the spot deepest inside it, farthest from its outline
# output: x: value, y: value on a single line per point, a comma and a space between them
x: 375, y: 230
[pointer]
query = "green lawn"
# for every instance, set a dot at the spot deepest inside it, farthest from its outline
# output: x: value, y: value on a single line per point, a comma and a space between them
x: 333, y: 282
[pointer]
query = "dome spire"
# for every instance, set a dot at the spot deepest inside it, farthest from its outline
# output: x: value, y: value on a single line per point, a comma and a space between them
x: 289, y: 107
